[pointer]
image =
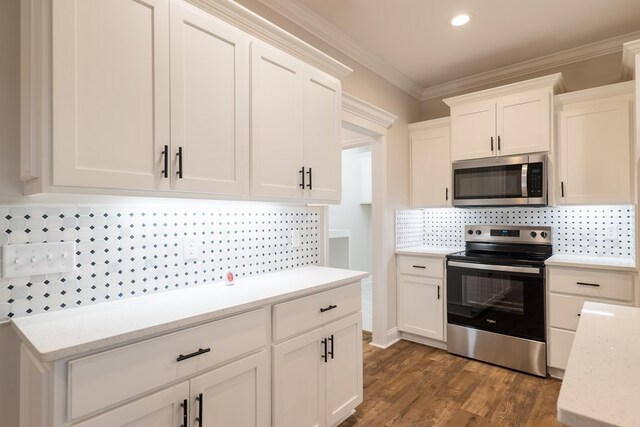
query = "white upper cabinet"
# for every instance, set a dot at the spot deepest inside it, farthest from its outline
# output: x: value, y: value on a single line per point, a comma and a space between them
x: 322, y: 137
x: 524, y: 122
x: 209, y: 103
x: 430, y: 164
x: 160, y: 97
x: 110, y: 93
x: 595, y: 146
x: 276, y: 111
x: 508, y: 120
x: 295, y: 112
x: 473, y: 130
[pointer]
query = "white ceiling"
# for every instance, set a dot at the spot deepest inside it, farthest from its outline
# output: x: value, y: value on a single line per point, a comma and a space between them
x: 411, y: 43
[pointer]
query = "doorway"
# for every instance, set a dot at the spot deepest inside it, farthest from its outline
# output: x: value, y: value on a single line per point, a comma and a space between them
x: 350, y: 223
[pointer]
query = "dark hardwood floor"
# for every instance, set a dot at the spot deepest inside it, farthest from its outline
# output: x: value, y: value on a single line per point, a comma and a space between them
x: 410, y: 384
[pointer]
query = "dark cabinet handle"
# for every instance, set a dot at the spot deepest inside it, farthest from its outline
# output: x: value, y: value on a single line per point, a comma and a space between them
x: 579, y: 314
x: 310, y: 185
x: 562, y: 188
x: 185, y: 418
x: 418, y: 266
x: 194, y: 354
x: 438, y: 291
x: 331, y: 307
x: 446, y: 193
x: 301, y: 172
x: 179, y: 155
x: 200, y: 400
x: 324, y: 350
x: 499, y: 148
x: 595, y: 285
x: 492, y: 144
x: 165, y: 159
x: 331, y: 352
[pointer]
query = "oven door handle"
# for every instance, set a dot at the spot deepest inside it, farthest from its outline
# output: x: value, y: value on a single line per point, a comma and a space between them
x: 490, y: 267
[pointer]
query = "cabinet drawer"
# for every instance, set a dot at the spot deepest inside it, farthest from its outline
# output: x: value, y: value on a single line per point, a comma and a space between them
x: 105, y: 379
x: 591, y: 283
x: 303, y: 314
x: 564, y: 310
x: 421, y: 266
x: 560, y: 343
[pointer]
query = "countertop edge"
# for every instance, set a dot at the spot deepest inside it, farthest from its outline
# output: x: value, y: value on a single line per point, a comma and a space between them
x: 148, y: 332
x: 593, y: 266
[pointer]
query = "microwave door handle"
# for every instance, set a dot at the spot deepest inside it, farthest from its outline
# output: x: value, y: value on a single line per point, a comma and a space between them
x: 524, y: 180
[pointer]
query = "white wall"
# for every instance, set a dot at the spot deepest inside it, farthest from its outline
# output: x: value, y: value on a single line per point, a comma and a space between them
x: 10, y: 187
x: 350, y: 214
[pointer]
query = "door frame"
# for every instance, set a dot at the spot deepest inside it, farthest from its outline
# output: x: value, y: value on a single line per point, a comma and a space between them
x: 373, y: 123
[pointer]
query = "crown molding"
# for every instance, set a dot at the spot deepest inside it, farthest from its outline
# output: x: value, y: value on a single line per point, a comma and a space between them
x: 257, y: 26
x: 429, y: 124
x: 328, y: 33
x: 360, y: 108
x: 520, y: 69
x: 618, y: 89
x: 630, y: 51
x: 554, y: 82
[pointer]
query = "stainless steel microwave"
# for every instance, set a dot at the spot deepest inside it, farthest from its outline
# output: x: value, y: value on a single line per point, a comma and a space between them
x: 501, y: 181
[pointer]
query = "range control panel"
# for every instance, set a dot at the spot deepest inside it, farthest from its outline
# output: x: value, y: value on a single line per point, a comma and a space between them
x: 507, y: 233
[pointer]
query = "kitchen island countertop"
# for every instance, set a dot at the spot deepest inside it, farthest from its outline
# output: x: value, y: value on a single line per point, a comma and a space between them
x: 600, y: 386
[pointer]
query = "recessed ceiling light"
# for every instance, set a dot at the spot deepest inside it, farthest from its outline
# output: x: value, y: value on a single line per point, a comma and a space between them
x: 462, y: 19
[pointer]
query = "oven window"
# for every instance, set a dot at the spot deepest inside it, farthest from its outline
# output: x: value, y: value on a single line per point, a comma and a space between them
x: 495, y: 182
x: 505, y: 303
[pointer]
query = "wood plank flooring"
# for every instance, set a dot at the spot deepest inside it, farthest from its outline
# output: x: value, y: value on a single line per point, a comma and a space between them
x: 410, y: 384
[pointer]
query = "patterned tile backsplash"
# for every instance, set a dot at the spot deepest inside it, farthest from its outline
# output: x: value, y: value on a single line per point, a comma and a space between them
x: 576, y: 229
x: 130, y: 251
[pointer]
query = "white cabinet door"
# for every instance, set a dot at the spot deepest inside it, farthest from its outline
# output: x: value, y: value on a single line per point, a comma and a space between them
x: 237, y: 394
x: 430, y: 168
x: 110, y: 93
x: 162, y: 409
x: 595, y: 153
x: 473, y: 129
x: 299, y: 381
x: 322, y: 140
x: 277, y: 134
x: 343, y: 367
x: 209, y: 103
x: 421, y: 306
x: 524, y: 122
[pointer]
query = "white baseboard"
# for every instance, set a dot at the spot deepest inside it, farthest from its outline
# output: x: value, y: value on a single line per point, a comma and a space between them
x: 393, y: 336
x: 422, y: 340
x: 556, y: 373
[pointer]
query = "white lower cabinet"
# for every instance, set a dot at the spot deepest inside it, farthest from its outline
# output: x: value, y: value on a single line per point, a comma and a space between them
x: 162, y: 409
x: 227, y: 372
x: 318, y: 375
x: 569, y: 288
x: 421, y: 306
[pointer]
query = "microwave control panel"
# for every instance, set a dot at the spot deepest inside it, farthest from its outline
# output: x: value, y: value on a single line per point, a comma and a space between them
x: 534, y: 180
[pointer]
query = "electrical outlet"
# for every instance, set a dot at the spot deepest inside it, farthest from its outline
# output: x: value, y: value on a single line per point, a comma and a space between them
x: 428, y: 229
x: 296, y: 240
x: 611, y: 232
x: 190, y: 248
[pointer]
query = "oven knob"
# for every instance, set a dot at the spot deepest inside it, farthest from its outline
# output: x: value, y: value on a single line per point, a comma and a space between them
x: 478, y: 232
x: 544, y: 234
x: 533, y: 234
x: 470, y: 232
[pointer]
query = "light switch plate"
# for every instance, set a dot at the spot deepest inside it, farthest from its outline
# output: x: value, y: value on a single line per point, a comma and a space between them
x: 32, y: 259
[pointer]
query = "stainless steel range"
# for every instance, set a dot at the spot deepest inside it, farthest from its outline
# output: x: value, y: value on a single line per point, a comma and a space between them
x: 496, y: 296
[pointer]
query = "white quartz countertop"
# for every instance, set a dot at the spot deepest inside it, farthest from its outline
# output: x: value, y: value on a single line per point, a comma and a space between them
x: 598, y: 262
x: 65, y: 333
x: 602, y: 382
x: 428, y: 250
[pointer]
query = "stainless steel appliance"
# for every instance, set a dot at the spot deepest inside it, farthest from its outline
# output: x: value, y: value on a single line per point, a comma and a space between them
x: 496, y: 296
x: 501, y: 181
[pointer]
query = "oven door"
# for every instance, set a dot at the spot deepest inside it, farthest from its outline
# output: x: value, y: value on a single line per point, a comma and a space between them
x: 503, y: 299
